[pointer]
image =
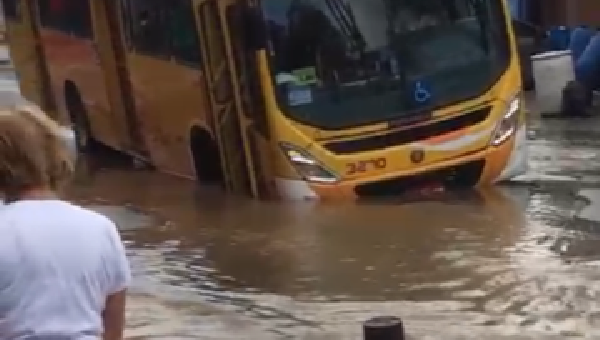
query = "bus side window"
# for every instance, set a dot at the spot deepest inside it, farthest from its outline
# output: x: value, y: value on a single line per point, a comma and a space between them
x: 72, y: 17
x: 183, y: 33
x: 52, y: 14
x: 147, y: 29
x: 79, y: 17
x: 11, y: 9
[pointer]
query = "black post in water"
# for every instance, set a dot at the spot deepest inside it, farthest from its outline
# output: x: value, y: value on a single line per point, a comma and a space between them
x: 384, y: 328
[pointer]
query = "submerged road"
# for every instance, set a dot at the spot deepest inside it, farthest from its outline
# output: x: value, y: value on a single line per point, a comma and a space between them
x: 516, y: 262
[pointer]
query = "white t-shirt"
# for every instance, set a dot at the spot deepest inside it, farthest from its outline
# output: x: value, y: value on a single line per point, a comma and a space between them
x: 58, y: 264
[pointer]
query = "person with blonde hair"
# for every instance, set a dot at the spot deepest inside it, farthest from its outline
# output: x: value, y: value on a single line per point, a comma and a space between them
x: 63, y: 268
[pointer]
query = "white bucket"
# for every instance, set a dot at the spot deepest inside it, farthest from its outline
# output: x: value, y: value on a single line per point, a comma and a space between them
x: 551, y: 71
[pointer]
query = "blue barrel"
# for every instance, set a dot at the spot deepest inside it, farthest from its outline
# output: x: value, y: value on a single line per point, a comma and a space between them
x: 515, y: 9
x: 519, y: 9
x: 580, y: 38
x: 587, y: 66
x: 559, y: 38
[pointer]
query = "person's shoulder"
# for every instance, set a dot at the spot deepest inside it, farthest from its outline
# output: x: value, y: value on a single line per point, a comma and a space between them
x: 61, y: 212
x: 62, y: 217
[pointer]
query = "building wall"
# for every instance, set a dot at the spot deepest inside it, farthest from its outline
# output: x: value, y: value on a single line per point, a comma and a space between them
x: 571, y: 12
x: 584, y: 12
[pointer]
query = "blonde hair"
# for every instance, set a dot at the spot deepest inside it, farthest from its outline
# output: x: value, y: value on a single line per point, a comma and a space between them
x: 33, y: 151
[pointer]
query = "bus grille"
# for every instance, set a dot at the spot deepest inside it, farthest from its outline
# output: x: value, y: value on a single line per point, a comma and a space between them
x: 460, y: 176
x: 409, y: 135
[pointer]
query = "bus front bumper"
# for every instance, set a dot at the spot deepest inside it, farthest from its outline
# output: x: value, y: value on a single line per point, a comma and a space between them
x: 486, y: 167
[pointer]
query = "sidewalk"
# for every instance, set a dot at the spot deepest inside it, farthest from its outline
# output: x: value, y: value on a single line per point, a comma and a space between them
x: 9, y: 86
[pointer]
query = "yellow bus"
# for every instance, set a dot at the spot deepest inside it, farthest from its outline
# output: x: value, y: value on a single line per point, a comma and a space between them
x: 296, y: 98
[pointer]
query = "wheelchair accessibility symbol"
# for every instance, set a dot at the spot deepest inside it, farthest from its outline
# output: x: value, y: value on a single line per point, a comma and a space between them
x: 421, y: 93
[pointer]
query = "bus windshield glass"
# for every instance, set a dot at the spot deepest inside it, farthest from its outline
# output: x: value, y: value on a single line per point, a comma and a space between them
x: 345, y: 63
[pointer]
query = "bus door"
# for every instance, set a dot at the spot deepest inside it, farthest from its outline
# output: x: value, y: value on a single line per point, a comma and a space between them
x: 112, y: 57
x: 26, y: 53
x: 231, y: 125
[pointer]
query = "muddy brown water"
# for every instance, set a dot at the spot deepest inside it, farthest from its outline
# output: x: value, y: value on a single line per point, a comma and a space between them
x: 504, y: 263
x: 518, y: 262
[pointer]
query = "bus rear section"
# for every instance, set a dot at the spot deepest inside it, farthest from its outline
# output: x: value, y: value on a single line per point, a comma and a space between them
x: 80, y: 48
x: 371, y: 97
x: 153, y: 79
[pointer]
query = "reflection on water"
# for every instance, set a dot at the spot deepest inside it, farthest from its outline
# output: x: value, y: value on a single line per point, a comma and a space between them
x: 488, y: 264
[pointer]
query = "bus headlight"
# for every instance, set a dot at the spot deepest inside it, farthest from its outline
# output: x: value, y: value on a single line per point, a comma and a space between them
x: 307, y: 166
x: 507, y: 126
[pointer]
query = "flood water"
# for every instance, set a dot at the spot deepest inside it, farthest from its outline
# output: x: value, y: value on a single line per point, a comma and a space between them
x: 518, y: 262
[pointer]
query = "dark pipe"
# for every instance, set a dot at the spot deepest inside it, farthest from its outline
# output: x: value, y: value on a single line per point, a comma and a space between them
x: 384, y: 328
x: 526, y: 29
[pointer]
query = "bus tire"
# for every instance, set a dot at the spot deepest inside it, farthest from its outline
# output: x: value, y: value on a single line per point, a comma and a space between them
x: 206, y: 157
x: 84, y: 141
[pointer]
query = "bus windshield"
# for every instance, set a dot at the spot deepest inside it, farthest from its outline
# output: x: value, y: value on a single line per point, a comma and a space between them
x: 344, y: 63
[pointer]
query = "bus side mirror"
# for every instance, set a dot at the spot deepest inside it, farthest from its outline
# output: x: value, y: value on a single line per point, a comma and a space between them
x: 255, y: 31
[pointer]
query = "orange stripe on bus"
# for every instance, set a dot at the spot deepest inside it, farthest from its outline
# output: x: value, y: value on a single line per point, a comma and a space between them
x: 445, y: 137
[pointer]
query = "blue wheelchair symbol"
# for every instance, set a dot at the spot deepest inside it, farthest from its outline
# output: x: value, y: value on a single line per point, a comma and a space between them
x: 421, y: 94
